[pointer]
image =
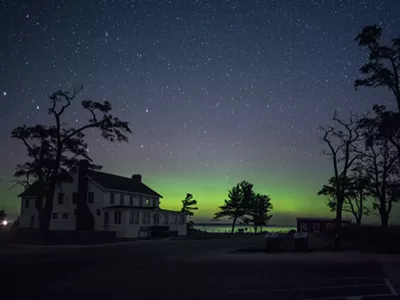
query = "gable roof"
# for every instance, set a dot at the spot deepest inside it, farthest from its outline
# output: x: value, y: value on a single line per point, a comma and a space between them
x: 31, y: 191
x: 120, y: 183
x: 106, y: 181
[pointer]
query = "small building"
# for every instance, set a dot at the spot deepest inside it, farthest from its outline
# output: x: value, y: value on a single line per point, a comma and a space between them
x: 317, y: 224
x: 99, y: 201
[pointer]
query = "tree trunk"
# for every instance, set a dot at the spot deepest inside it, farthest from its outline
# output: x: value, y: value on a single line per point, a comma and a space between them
x: 255, y: 229
x: 339, y: 209
x: 46, y: 210
x: 44, y: 220
x: 384, y: 218
x: 233, y: 225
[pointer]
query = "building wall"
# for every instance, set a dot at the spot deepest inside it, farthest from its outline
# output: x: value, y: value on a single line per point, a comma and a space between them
x: 314, y: 225
x: 27, y: 213
x: 64, y: 218
x: 136, y: 230
x: 97, y: 205
x: 63, y: 215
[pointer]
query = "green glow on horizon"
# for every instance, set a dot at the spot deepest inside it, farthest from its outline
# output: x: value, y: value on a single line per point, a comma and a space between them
x: 290, y: 195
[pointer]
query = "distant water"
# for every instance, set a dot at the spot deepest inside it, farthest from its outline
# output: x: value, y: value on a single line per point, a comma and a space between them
x: 227, y: 228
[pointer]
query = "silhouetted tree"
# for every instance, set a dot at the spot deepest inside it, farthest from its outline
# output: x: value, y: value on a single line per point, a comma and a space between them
x: 341, y: 141
x: 54, y: 149
x: 188, y: 206
x: 381, y: 165
x: 383, y: 66
x: 356, y: 194
x: 257, y: 212
x: 3, y: 215
x: 240, y: 196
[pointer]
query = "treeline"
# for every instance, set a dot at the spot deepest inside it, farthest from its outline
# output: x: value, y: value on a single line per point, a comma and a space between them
x: 365, y: 149
x: 246, y: 207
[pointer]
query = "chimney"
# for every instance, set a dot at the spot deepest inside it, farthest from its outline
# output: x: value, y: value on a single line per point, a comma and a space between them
x: 83, y: 167
x: 137, y: 178
x: 84, y: 218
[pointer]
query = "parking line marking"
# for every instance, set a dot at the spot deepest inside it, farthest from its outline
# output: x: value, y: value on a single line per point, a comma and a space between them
x: 390, y: 286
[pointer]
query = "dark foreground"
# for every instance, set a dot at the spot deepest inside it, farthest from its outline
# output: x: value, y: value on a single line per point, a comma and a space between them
x: 183, y: 270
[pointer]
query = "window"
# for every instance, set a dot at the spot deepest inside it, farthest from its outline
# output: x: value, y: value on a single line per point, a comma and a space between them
x: 134, y: 217
x: 54, y: 216
x: 131, y: 200
x: 146, y: 218
x: 112, y: 198
x: 65, y: 216
x: 121, y: 199
x: 74, y: 198
x: 181, y: 219
x: 316, y: 227
x: 174, y: 219
x: 106, y: 217
x: 165, y: 219
x: 60, y: 198
x: 147, y: 202
x: 329, y: 225
x: 27, y: 202
x: 98, y: 212
x: 140, y: 201
x: 38, y: 203
x: 117, y: 217
x: 303, y: 227
x: 74, y: 212
x: 91, y: 197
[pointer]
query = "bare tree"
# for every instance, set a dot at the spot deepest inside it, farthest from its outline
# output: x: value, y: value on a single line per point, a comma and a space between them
x: 381, y: 163
x: 356, y: 194
x: 341, y: 139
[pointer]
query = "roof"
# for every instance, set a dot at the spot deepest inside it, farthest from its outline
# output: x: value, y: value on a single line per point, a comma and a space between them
x: 32, y: 191
x: 130, y: 206
x: 107, y: 181
x: 142, y: 207
x: 120, y: 183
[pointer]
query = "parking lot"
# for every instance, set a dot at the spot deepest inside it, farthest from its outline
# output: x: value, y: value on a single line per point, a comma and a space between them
x: 191, y: 270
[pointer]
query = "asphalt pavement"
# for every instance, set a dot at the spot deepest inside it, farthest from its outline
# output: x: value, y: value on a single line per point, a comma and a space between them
x: 189, y: 270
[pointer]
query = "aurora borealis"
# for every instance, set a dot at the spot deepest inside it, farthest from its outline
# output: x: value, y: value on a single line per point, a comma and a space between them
x: 215, y: 91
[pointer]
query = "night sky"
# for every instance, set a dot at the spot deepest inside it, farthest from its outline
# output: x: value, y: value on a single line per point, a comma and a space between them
x: 215, y: 91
